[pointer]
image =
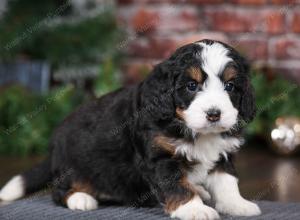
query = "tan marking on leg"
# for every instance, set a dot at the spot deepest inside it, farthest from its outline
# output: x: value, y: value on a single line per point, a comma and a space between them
x: 174, y: 201
x: 164, y: 143
x: 80, y: 187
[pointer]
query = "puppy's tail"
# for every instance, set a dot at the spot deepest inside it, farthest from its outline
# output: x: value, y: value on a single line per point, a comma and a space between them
x: 28, y: 182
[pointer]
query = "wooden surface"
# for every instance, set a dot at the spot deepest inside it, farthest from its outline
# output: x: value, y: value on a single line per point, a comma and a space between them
x: 266, y: 176
x: 263, y: 175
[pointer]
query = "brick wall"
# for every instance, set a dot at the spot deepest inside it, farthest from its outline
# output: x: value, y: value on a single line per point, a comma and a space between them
x: 266, y: 31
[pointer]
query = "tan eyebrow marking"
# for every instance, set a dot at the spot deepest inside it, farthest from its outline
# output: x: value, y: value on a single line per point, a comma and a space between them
x: 229, y: 73
x: 196, y: 74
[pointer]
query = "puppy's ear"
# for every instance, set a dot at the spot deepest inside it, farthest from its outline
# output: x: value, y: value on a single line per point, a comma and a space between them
x: 247, y: 103
x: 157, y: 92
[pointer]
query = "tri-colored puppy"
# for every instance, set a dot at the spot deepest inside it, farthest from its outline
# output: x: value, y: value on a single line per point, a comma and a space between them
x: 167, y: 140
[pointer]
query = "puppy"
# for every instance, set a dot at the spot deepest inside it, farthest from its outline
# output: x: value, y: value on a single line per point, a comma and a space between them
x: 168, y: 140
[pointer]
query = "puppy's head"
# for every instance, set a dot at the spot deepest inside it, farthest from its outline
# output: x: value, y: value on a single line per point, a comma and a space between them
x: 205, y: 85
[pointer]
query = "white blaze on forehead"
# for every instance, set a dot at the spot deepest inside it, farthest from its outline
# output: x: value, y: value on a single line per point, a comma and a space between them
x: 214, y: 58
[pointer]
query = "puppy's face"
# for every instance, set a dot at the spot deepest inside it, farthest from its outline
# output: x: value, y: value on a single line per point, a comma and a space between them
x: 212, y: 89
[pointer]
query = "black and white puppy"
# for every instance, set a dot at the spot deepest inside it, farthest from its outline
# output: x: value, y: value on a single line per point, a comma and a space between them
x: 168, y: 140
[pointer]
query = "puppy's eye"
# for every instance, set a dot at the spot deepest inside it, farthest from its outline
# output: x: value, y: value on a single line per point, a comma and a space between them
x: 192, y: 86
x: 229, y: 86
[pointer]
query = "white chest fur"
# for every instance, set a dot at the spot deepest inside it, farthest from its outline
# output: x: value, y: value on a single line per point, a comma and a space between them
x: 206, y: 150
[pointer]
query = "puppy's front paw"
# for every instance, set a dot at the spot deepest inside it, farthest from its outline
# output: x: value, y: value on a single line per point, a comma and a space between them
x: 238, y: 207
x: 82, y: 201
x: 195, y: 210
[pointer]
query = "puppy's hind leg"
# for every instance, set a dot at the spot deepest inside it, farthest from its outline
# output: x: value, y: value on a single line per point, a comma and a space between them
x: 77, y: 196
x: 81, y: 201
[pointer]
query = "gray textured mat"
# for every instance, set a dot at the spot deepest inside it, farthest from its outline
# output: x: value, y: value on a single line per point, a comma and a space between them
x: 39, y: 208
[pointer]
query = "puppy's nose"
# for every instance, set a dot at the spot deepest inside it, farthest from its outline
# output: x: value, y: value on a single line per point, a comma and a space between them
x: 213, y: 115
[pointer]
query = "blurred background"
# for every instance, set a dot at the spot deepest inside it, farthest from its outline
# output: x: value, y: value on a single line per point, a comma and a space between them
x: 58, y: 54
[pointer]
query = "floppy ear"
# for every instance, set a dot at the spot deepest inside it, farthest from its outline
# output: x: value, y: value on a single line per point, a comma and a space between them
x: 157, y: 92
x: 247, y: 103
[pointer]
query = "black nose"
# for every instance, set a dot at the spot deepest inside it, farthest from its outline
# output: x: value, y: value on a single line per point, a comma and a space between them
x: 213, y: 115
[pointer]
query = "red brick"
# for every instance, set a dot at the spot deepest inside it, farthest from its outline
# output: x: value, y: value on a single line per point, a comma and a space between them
x: 229, y: 21
x: 243, y: 20
x: 165, y: 19
x: 284, y: 2
x: 250, y: 2
x: 144, y: 21
x: 182, y: 20
x: 202, y: 1
x: 152, y: 47
x: 135, y: 71
x: 296, y: 23
x: 253, y: 49
x: 275, y: 22
x: 287, y: 48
